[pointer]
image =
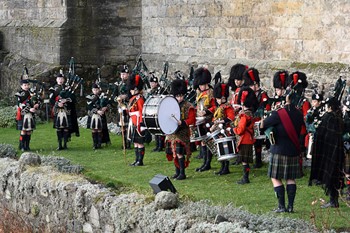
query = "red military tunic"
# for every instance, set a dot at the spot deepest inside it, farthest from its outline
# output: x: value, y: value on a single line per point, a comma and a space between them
x: 135, y: 110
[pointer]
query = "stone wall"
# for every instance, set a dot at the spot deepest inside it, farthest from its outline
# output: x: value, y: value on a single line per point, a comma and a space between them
x: 32, y: 28
x: 309, y: 36
x: 46, y: 34
x: 95, y: 32
x: 269, y: 35
x: 35, y: 197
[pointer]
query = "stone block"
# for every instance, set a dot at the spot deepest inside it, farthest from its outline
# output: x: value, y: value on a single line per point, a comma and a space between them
x: 28, y: 158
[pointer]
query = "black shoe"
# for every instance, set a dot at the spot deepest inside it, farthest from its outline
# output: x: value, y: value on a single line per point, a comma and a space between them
x: 181, y: 177
x: 290, y: 209
x: 280, y: 210
x: 199, y: 156
x: 59, y: 148
x: 133, y: 164
x: 330, y: 205
x: 224, y: 173
x: 205, y: 168
x: 138, y: 163
x: 155, y: 149
x: 175, y: 175
x: 243, y: 181
x: 199, y: 168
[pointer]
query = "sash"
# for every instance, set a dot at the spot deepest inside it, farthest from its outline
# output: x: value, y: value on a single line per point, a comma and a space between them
x: 288, y: 126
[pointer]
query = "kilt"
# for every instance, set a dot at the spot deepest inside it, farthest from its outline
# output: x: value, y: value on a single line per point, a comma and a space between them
x: 246, y: 153
x: 136, y: 137
x: 347, y: 162
x: 284, y: 167
x: 62, y: 119
x: 27, y: 123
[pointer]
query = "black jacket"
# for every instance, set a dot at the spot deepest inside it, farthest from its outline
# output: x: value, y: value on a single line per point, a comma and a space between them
x: 284, y: 145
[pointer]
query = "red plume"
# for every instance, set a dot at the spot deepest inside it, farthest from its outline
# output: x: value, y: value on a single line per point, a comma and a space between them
x: 295, y: 78
x: 223, y: 89
x: 246, y: 67
x: 137, y: 80
x: 283, y: 79
x: 244, y: 96
x: 251, y: 75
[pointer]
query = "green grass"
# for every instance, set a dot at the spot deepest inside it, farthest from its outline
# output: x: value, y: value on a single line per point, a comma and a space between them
x: 110, y: 166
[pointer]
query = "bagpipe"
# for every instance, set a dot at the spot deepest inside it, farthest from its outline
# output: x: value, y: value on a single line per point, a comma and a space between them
x: 339, y: 88
x: 191, y: 88
x: 164, y: 82
x: 109, y: 91
x: 315, y: 113
x: 73, y: 80
x: 37, y: 91
x: 141, y: 69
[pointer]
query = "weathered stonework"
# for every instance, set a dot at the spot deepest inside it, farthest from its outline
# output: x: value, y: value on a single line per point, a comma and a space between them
x: 269, y: 35
x: 95, y: 32
x: 309, y: 36
x: 41, y: 199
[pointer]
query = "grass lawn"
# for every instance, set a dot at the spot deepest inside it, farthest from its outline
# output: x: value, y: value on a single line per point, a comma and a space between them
x: 110, y: 166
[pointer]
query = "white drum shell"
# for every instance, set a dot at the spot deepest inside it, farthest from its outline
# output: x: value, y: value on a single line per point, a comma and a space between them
x: 160, y: 113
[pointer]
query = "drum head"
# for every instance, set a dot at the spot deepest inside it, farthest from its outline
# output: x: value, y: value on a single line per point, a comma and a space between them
x: 213, y: 135
x: 168, y: 108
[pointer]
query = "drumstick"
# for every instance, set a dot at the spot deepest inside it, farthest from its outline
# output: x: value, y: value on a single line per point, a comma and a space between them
x: 172, y: 115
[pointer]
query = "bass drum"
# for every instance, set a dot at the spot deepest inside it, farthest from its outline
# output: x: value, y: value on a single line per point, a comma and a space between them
x: 159, y: 114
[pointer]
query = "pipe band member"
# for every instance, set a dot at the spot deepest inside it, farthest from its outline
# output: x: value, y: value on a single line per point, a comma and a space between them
x: 224, y: 115
x: 97, y: 106
x: 284, y: 160
x: 178, y: 143
x: 27, y: 105
x: 135, y: 130
x: 206, y: 106
x: 244, y: 130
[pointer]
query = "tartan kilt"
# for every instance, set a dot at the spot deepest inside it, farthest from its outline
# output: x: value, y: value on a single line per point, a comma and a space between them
x: 284, y: 167
x: 347, y: 162
x: 246, y: 153
x: 26, y: 124
x: 136, y: 137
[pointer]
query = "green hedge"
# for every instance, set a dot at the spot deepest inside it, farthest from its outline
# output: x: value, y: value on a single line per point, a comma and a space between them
x: 7, y: 116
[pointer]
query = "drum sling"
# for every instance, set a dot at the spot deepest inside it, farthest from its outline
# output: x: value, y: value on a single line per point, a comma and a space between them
x: 288, y: 126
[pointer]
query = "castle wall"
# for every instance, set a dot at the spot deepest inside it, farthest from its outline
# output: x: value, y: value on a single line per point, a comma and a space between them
x: 94, y: 32
x: 269, y: 35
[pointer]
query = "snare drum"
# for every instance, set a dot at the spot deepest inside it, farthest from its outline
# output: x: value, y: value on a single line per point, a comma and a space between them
x: 226, y: 148
x: 258, y: 133
x: 160, y: 114
x: 210, y: 141
x: 199, y: 131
